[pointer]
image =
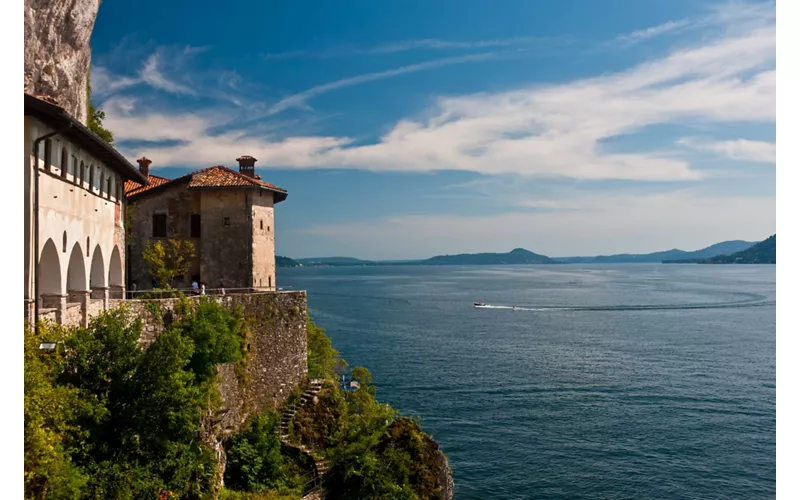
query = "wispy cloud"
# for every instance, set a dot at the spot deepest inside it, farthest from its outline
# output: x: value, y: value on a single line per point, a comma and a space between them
x: 739, y: 149
x: 418, y: 44
x: 654, y: 31
x: 152, y: 75
x: 299, y: 100
x: 553, y: 130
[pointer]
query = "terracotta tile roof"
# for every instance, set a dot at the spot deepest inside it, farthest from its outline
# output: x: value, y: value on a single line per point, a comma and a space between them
x: 218, y: 177
x: 133, y: 187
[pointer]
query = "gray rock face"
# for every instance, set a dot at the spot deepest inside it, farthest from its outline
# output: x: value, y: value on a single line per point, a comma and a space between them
x: 57, y: 52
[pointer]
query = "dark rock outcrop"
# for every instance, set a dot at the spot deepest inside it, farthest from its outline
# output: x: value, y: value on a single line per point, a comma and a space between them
x: 57, y: 52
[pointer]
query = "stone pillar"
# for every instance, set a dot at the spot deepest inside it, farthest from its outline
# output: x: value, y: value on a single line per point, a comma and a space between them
x: 101, y: 292
x: 30, y: 310
x: 57, y: 301
x: 83, y: 297
x: 117, y: 292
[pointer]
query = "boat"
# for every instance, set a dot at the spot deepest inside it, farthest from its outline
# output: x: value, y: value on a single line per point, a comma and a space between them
x: 478, y: 304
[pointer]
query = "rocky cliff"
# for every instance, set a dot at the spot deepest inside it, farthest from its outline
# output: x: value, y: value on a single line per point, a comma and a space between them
x: 57, y: 52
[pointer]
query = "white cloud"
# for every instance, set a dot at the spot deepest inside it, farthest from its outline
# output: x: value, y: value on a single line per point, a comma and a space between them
x: 418, y: 44
x: 152, y: 75
x: 639, y: 224
x: 554, y: 130
x: 739, y: 149
x: 653, y: 31
x: 299, y: 100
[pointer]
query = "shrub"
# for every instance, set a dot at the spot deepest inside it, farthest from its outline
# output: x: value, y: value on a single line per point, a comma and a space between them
x: 254, y: 455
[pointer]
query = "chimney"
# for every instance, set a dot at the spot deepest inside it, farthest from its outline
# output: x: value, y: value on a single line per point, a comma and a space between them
x: 247, y: 165
x: 144, y: 166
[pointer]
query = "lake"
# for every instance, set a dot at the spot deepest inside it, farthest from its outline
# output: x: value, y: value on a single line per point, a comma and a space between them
x: 617, y: 381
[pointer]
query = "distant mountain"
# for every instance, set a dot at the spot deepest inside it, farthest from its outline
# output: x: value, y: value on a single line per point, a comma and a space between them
x: 516, y: 256
x: 724, y: 247
x: 763, y: 252
x: 281, y: 261
x: 334, y: 261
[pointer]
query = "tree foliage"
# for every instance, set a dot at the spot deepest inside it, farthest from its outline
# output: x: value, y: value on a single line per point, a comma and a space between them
x: 254, y: 461
x: 105, y: 418
x: 322, y: 357
x: 168, y: 260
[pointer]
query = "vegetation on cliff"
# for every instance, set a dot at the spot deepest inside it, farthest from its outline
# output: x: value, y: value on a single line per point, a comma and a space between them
x: 105, y: 418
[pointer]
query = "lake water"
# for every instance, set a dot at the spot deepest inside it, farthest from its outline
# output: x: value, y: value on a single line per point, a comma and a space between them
x: 637, y: 381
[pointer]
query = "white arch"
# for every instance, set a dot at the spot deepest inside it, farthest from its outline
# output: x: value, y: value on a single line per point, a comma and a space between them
x: 97, y: 277
x: 115, y: 268
x: 76, y: 272
x: 49, y: 270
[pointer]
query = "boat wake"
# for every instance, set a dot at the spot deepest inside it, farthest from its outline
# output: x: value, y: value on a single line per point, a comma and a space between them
x: 648, y: 307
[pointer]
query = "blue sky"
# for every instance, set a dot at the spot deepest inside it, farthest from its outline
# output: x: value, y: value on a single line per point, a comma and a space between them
x: 405, y: 129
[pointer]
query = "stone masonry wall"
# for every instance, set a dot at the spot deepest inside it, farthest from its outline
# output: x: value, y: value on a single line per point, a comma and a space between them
x: 276, y: 361
x: 178, y: 203
x: 225, y: 256
x: 263, y: 240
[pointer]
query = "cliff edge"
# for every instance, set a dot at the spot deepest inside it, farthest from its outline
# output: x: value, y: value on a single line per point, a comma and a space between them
x: 57, y: 51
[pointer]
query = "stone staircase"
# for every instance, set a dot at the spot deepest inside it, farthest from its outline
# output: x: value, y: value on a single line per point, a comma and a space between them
x: 320, y: 463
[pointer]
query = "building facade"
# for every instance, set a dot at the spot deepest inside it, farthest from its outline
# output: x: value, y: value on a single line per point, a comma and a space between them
x: 227, y: 215
x: 73, y: 216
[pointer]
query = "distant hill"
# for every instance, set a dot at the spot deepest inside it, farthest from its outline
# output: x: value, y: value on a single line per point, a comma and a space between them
x: 763, y: 252
x: 516, y: 256
x: 724, y: 247
x: 335, y: 261
x: 281, y: 261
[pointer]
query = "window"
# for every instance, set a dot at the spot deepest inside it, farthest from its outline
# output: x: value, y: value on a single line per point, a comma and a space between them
x: 100, y: 184
x: 262, y: 224
x: 267, y: 228
x: 64, y: 243
x: 159, y: 225
x: 64, y: 162
x: 195, y: 226
x: 83, y: 172
x: 48, y: 154
x: 269, y: 284
x: 91, y: 177
x: 75, y: 169
x: 226, y: 221
x: 108, y: 187
x: 87, y: 246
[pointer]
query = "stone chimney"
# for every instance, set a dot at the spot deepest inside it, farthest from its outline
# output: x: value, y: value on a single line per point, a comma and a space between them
x: 144, y: 166
x: 247, y: 165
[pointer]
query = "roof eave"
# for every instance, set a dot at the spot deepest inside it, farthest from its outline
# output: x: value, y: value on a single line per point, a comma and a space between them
x: 84, y: 137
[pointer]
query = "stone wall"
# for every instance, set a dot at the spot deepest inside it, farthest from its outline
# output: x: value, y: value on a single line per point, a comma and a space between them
x: 225, y: 254
x: 276, y: 361
x: 263, y: 240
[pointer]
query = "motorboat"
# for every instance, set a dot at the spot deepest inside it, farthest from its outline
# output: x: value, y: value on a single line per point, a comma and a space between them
x: 478, y: 304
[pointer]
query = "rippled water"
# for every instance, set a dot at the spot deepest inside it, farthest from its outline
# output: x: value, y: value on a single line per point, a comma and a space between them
x: 618, y: 381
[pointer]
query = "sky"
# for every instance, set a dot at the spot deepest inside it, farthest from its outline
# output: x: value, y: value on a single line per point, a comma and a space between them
x: 405, y: 129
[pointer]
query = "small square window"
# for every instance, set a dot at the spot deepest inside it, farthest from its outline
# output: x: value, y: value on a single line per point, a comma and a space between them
x: 226, y: 221
x: 195, y: 225
x: 159, y: 225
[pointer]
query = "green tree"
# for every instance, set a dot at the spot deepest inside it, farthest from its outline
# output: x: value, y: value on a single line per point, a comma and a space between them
x: 322, y: 357
x: 167, y: 261
x: 254, y: 461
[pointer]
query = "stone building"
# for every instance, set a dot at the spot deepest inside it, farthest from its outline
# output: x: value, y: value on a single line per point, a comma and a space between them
x: 74, y: 201
x: 227, y: 215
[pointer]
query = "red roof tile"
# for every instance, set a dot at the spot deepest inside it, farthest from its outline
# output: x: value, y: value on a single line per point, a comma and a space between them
x: 208, y: 178
x: 133, y: 187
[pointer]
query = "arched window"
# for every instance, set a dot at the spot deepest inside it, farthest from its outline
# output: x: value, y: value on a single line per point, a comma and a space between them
x: 48, y: 154
x: 100, y: 185
x: 91, y: 178
x: 64, y: 243
x: 75, y: 169
x: 108, y: 187
x: 87, y: 246
x: 83, y: 172
x: 64, y: 162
